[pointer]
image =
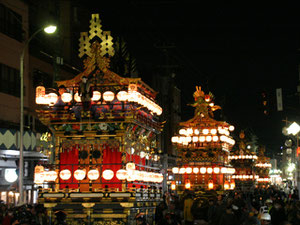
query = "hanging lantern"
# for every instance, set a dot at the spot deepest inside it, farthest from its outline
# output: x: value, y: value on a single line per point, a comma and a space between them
x: 96, y: 96
x: 52, y: 98
x: 38, y: 174
x: 203, y: 170
x: 160, y: 178
x: 216, y: 170
x: 188, y: 170
x: 173, y: 186
x: 108, y: 96
x: 232, y: 184
x: 195, y: 170
x: 93, y: 174
x: 77, y: 97
x: 226, y: 185
x: 131, y: 176
x: 66, y: 97
x: 210, y: 185
x: 50, y: 176
x: 209, y: 170
x: 182, y: 170
x: 130, y: 166
x: 187, y: 184
x: 121, y: 174
x: 122, y: 96
x: 175, y: 170
x: 40, y: 95
x: 79, y: 174
x: 65, y: 174
x: 108, y: 174
x: 231, y: 128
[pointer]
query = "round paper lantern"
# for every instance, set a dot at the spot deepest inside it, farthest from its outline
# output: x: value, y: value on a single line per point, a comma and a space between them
x: 66, y: 97
x: 210, y: 185
x: 187, y: 184
x: 39, y: 95
x: 175, y: 170
x: 122, y: 96
x: 216, y: 170
x: 195, y: 170
x: 131, y: 175
x: 96, y: 96
x: 173, y: 186
x: 108, y: 96
x: 65, y: 174
x: 203, y: 170
x: 10, y: 175
x: 50, y: 176
x: 79, y: 174
x: 121, y: 174
x: 160, y: 178
x: 77, y: 97
x: 108, y: 174
x: 52, y: 98
x: 130, y: 166
x: 226, y: 185
x: 209, y: 170
x: 188, y: 170
x: 182, y: 170
x: 93, y: 174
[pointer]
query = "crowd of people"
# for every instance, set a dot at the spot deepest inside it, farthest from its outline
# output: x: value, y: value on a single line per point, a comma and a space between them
x: 271, y: 206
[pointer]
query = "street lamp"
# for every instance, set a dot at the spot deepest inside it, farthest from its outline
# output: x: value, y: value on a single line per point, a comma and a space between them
x: 48, y: 29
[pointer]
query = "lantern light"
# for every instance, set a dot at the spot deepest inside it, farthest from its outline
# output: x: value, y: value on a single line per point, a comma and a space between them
x: 188, y: 170
x: 187, y: 184
x: 182, y: 132
x: 210, y: 185
x: 209, y: 170
x: 79, y: 174
x: 174, y: 139
x: 196, y: 132
x: 215, y: 138
x: 195, y: 170
x: 108, y: 96
x: 77, y: 97
x: 182, y: 170
x: 216, y: 170
x: 122, y: 96
x: 52, y: 98
x: 93, y: 174
x: 175, y: 170
x: 205, y: 131
x: 208, y: 138
x: 66, y: 97
x: 130, y: 166
x: 96, y: 96
x: 203, y: 170
x: 65, y: 174
x: 231, y: 128
x: 173, y: 186
x: 121, y: 174
x: 213, y: 131
x: 226, y: 185
x: 195, y: 139
x: 202, y: 138
x: 10, y: 175
x: 108, y: 174
x: 40, y: 95
x: 50, y: 176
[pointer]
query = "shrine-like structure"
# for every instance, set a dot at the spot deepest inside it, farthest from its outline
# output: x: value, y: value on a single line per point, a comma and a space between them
x: 106, y: 146
x: 203, y: 146
x: 243, y: 159
x: 262, y: 168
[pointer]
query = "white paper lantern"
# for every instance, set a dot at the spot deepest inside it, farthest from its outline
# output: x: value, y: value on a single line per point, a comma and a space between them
x: 77, y: 97
x: 65, y: 174
x: 130, y: 166
x: 96, y: 96
x: 108, y: 174
x: 121, y: 174
x: 93, y: 174
x: 50, y: 176
x: 10, y: 175
x: 52, y: 98
x: 108, y: 96
x: 122, y: 96
x: 79, y: 174
x: 66, y: 97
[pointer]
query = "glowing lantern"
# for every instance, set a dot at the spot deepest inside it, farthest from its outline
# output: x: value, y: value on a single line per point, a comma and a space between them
x: 205, y: 131
x: 108, y: 174
x: 215, y: 138
x: 174, y: 139
x: 52, y: 98
x: 210, y: 185
x: 38, y: 174
x: 173, y: 186
x: 182, y: 170
x: 79, y: 174
x: 216, y: 170
x: 232, y: 184
x: 50, y: 176
x: 175, y: 170
x: 108, y: 96
x: 122, y: 96
x: 195, y: 170
x: 96, y: 96
x: 207, y: 98
x: 66, y: 97
x: 93, y: 174
x: 77, y: 97
x: 10, y: 175
x: 142, y: 154
x: 160, y: 178
x: 188, y: 170
x: 226, y: 185
x: 213, y: 131
x: 130, y: 166
x: 208, y: 138
x: 202, y: 138
x: 65, y: 174
x: 209, y: 170
x: 121, y: 174
x: 131, y: 176
x: 39, y: 94
x: 231, y: 128
x: 187, y: 184
x: 223, y: 170
x: 203, y: 170
x: 182, y: 132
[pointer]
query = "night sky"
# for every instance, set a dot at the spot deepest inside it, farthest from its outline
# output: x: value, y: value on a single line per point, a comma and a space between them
x: 236, y: 52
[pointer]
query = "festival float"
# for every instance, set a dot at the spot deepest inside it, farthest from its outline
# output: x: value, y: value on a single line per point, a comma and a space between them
x: 243, y: 159
x: 105, y: 126
x: 203, y: 146
x: 262, y: 168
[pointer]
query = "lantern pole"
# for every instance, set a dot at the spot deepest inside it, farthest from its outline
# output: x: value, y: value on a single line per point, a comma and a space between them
x: 21, y: 157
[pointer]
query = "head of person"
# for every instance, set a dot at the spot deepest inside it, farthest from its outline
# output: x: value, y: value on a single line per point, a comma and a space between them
x: 61, y: 89
x: 265, y: 218
x: 84, y: 79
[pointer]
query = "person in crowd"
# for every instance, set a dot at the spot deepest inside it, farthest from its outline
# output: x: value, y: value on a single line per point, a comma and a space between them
x: 265, y: 219
x: 188, y: 203
x: 277, y: 213
x: 228, y: 217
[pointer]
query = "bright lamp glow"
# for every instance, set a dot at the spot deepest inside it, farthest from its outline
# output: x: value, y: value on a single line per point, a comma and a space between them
x: 294, y: 128
x: 50, y: 29
x: 10, y: 175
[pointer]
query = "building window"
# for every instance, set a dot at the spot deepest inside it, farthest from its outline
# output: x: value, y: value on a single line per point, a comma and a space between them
x: 9, y: 80
x: 10, y: 23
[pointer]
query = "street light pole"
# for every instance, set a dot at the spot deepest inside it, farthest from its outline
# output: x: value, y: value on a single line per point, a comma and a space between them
x: 21, y: 158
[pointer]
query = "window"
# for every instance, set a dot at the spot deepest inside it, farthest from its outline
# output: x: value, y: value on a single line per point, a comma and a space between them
x: 9, y: 80
x: 10, y: 23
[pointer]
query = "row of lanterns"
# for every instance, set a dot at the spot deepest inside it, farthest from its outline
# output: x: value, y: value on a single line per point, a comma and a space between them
x: 235, y: 157
x: 187, y: 185
x: 208, y: 138
x: 266, y: 179
x: 108, y: 96
x: 206, y: 131
x: 245, y: 177
x: 264, y: 165
x: 130, y: 174
x: 203, y: 170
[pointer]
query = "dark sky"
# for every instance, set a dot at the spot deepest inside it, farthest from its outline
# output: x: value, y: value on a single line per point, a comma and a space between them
x: 236, y: 52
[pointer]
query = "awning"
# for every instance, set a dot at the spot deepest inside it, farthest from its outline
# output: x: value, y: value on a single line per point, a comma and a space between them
x: 7, y: 164
x: 29, y: 155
